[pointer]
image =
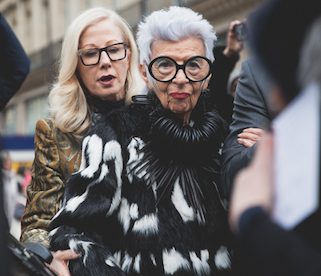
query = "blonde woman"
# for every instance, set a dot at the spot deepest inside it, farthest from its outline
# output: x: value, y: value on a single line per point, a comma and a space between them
x: 98, y: 73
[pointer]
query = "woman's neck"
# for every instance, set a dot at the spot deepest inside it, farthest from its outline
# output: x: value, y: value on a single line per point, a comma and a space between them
x: 184, y: 117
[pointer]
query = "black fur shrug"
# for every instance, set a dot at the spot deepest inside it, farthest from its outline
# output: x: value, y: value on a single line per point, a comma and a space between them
x: 146, y: 200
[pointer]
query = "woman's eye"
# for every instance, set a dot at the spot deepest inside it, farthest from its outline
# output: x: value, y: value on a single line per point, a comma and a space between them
x: 194, y: 64
x: 113, y: 50
x: 90, y: 53
x: 163, y: 63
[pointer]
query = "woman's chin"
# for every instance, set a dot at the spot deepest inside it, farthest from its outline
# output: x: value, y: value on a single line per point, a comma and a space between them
x: 113, y: 95
x: 182, y: 114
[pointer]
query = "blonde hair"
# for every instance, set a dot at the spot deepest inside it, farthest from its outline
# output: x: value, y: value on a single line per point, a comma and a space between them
x: 67, y: 100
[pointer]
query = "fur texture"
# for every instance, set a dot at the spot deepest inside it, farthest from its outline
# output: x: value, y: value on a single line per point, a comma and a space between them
x: 146, y: 200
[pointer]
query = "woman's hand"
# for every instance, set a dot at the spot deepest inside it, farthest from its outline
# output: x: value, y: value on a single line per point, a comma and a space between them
x: 249, y: 136
x: 253, y: 186
x: 59, y: 262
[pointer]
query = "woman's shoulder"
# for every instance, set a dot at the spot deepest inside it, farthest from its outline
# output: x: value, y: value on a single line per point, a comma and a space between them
x: 47, y: 127
x: 45, y: 123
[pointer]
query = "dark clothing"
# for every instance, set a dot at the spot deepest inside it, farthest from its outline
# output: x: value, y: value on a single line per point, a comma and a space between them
x: 14, y: 63
x: 4, y: 231
x: 279, y: 55
x: 221, y: 69
x: 266, y: 249
x: 250, y: 110
x: 146, y: 196
x: 14, y: 67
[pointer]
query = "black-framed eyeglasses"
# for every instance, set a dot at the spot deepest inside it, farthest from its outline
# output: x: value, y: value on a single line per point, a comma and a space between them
x: 91, y: 56
x: 164, y: 68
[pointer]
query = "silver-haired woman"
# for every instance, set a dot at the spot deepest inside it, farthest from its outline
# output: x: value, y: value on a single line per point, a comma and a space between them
x: 146, y: 200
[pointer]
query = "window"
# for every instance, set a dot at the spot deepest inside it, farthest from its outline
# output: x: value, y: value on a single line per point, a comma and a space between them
x: 10, y: 117
x: 36, y: 109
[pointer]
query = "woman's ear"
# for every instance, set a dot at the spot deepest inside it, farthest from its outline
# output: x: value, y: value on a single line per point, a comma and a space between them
x: 142, y: 70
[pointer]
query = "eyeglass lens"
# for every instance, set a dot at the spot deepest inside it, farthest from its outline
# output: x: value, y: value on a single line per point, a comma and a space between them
x: 164, y: 69
x: 92, y: 56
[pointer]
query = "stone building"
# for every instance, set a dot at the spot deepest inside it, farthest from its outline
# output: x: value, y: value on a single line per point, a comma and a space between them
x: 40, y: 27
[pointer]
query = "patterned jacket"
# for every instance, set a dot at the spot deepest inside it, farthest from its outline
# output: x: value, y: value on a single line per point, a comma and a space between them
x: 57, y: 155
x: 146, y: 199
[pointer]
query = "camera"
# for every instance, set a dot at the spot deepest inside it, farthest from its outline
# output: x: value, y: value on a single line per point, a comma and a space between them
x: 241, y: 31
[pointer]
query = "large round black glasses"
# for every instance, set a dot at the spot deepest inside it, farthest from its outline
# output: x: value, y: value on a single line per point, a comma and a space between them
x: 165, y: 68
x: 91, y: 56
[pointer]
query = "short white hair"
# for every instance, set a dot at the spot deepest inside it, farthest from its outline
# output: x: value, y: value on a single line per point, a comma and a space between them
x: 174, y: 24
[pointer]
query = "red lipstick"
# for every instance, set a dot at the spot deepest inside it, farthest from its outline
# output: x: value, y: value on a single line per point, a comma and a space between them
x: 179, y: 95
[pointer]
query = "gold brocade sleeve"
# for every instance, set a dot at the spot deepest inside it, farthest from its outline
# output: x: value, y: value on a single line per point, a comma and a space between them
x: 57, y: 155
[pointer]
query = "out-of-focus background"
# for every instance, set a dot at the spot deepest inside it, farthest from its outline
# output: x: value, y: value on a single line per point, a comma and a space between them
x: 40, y: 26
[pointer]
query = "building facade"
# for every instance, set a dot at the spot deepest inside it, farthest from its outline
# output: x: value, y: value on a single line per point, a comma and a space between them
x: 40, y: 26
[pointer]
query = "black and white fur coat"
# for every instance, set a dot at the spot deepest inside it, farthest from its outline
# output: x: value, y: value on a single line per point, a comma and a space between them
x: 146, y: 199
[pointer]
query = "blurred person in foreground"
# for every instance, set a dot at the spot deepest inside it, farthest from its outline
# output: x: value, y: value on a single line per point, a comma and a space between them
x: 98, y: 73
x: 146, y: 201
x: 14, y: 68
x: 14, y: 63
x: 293, y: 63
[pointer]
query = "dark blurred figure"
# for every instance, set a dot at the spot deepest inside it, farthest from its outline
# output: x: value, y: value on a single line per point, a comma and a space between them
x: 4, y: 229
x: 250, y: 114
x: 225, y: 60
x: 290, y: 51
x: 4, y: 226
x: 14, y: 67
x: 14, y: 63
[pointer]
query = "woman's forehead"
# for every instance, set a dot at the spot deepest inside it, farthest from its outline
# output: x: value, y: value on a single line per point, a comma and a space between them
x: 178, y: 50
x: 102, y: 32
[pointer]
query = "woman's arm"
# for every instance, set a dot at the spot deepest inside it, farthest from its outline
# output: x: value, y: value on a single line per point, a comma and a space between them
x: 250, y: 111
x: 45, y: 190
x: 92, y: 196
x: 264, y: 248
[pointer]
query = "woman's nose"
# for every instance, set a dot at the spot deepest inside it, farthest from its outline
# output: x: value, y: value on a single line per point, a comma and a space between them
x: 104, y: 59
x: 180, y: 77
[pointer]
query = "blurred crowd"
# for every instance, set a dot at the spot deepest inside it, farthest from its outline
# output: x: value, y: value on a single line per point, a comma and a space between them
x: 15, y: 192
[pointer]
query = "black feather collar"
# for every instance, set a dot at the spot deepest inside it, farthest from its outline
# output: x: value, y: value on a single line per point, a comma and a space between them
x: 188, y: 153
